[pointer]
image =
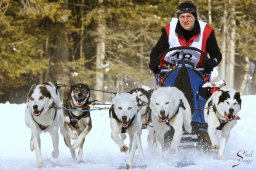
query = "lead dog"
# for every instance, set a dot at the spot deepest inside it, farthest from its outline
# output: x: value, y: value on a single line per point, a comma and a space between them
x: 222, y: 114
x: 78, y: 121
x: 169, y: 108
x: 42, y: 115
x: 125, y: 118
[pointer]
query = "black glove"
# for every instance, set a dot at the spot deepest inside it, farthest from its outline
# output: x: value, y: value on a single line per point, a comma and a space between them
x: 209, y: 64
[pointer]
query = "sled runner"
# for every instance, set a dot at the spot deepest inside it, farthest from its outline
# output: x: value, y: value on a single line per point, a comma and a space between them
x: 181, y: 72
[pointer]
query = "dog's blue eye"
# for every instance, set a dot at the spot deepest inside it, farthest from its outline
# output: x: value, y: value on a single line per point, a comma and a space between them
x: 120, y: 108
x: 167, y: 102
x: 31, y: 98
x: 41, y: 97
x: 227, y: 102
x: 129, y: 108
x: 157, y: 103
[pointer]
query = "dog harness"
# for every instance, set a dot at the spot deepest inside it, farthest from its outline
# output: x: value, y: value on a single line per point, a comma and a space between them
x: 73, y: 118
x: 177, y: 111
x: 222, y: 122
x: 112, y: 114
x: 43, y: 127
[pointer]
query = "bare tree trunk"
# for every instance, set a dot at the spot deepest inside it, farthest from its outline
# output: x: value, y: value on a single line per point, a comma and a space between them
x: 210, y: 11
x: 230, y: 69
x: 243, y: 86
x: 253, y: 91
x: 100, y: 53
x: 44, y: 76
x: 62, y: 54
x: 222, y: 69
x: 82, y: 31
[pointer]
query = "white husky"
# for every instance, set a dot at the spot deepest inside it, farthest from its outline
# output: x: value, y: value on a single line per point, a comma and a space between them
x: 222, y: 114
x: 42, y: 114
x: 169, y: 108
x: 125, y: 118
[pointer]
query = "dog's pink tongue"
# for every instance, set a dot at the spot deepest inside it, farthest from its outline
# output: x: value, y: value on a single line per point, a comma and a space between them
x: 125, y: 124
x: 37, y: 112
x: 226, y: 116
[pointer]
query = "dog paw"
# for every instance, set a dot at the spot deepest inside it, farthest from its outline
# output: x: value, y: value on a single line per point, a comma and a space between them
x: 124, y: 148
x: 76, y: 144
x: 39, y: 164
x: 55, y: 154
x: 128, y: 166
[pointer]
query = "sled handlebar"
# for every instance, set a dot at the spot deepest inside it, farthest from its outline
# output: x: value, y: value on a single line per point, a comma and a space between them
x: 184, y: 60
x: 184, y: 48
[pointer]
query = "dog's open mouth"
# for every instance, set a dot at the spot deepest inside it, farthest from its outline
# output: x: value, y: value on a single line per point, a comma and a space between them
x: 80, y: 101
x: 163, y: 119
x: 125, y: 124
x: 228, y: 117
x: 37, y: 112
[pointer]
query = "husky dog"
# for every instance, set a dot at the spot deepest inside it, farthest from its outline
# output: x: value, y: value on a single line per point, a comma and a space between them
x: 42, y: 114
x: 125, y: 118
x: 222, y: 114
x: 143, y: 98
x: 170, y: 108
x: 77, y: 117
x: 143, y: 105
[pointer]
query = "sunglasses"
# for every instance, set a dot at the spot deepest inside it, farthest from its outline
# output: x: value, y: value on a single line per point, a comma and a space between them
x: 184, y: 10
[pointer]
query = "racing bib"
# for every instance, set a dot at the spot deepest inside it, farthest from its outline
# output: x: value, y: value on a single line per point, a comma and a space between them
x: 191, y: 56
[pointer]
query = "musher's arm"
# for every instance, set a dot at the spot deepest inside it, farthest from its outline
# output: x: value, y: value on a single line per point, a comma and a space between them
x: 213, y: 51
x: 160, y: 46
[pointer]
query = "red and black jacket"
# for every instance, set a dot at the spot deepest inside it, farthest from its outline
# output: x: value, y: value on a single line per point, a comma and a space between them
x: 186, y: 38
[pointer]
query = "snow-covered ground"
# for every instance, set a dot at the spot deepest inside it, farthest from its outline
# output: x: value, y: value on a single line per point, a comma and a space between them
x: 100, y: 151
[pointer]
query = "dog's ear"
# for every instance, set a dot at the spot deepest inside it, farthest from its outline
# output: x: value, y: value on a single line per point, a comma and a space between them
x: 224, y: 96
x: 134, y: 97
x: 54, y: 95
x: 31, y: 91
x: 238, y: 98
x: 115, y: 98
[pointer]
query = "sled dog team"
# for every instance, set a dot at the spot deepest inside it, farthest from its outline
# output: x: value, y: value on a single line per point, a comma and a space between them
x: 157, y: 110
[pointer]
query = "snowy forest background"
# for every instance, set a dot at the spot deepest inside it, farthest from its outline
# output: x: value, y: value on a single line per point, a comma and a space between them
x: 106, y: 43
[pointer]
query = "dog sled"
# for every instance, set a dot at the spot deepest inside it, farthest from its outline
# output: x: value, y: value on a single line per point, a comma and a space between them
x: 182, y: 73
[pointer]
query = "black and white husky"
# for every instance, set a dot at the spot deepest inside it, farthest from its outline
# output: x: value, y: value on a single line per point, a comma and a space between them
x: 170, y: 108
x: 222, y: 114
x: 125, y: 118
x: 42, y: 114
